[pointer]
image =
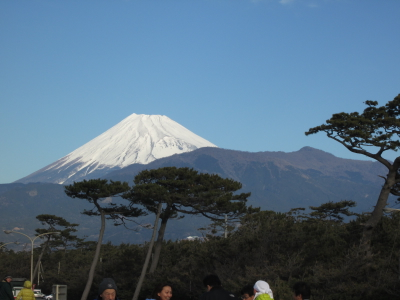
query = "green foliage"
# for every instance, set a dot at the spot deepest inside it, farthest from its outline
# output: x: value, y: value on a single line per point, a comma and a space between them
x: 281, y: 248
x: 58, y: 224
x: 376, y: 126
x: 185, y: 191
x: 92, y: 191
x: 370, y: 133
x: 376, y: 129
x: 333, y: 210
x: 95, y: 189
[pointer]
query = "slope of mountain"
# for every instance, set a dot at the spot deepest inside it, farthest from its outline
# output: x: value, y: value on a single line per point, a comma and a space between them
x: 277, y: 181
x: 136, y: 139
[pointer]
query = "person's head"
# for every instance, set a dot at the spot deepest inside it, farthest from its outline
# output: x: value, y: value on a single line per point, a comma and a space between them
x: 163, y: 292
x: 8, y: 278
x: 211, y: 281
x: 301, y: 291
x: 28, y: 284
x: 247, y: 292
x: 108, y: 289
x: 262, y: 287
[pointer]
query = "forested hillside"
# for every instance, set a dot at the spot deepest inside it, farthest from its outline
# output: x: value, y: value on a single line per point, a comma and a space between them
x: 280, y: 248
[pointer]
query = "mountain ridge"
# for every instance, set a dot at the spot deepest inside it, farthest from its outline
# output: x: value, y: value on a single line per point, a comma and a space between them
x: 267, y: 175
x: 136, y: 139
x: 277, y: 181
x: 305, y: 158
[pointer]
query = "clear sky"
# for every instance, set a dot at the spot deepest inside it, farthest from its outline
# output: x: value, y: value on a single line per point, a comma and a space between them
x: 245, y: 75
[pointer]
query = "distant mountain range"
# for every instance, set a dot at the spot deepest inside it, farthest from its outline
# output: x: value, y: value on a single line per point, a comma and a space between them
x: 277, y: 181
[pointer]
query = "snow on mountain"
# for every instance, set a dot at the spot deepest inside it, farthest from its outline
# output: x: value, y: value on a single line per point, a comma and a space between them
x: 136, y: 139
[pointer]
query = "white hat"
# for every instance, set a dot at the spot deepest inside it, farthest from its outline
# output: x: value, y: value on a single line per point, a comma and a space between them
x: 262, y: 287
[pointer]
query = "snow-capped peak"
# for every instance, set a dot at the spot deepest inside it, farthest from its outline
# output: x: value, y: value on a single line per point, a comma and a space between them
x: 136, y: 139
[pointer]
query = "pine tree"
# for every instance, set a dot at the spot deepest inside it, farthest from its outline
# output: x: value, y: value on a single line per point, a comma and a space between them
x: 370, y: 133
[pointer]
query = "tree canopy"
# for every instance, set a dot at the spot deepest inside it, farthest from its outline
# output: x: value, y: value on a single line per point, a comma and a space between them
x: 96, y: 189
x: 93, y: 191
x: 59, y: 224
x: 370, y: 133
x: 186, y: 191
x: 333, y: 211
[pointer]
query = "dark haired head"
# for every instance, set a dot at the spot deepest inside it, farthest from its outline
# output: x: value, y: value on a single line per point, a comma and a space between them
x: 303, y: 289
x: 158, y: 290
x: 211, y: 280
x: 107, y: 283
x: 248, y: 289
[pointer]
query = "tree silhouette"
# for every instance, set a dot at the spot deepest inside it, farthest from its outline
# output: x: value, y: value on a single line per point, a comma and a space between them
x: 64, y: 239
x: 186, y: 191
x: 93, y: 191
x: 370, y: 133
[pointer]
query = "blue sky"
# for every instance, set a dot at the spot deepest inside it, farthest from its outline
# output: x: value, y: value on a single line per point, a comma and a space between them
x: 245, y: 75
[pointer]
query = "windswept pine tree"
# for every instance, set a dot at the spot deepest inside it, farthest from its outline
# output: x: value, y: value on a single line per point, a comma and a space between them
x: 93, y: 191
x: 370, y: 133
x: 184, y: 191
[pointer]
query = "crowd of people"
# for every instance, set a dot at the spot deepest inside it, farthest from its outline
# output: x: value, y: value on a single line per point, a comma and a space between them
x: 214, y: 291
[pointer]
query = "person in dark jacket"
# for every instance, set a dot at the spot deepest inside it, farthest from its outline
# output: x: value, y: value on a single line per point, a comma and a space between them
x: 107, y: 290
x: 247, y: 292
x: 301, y: 291
x: 215, y: 290
x: 6, y: 289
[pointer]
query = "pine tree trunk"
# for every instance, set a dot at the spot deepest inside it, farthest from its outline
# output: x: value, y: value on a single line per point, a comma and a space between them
x: 146, y: 263
x: 376, y: 216
x: 157, y: 248
x: 35, y: 271
x: 95, y: 258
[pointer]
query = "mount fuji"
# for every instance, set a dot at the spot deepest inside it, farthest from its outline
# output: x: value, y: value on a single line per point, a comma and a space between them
x: 138, y: 139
